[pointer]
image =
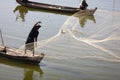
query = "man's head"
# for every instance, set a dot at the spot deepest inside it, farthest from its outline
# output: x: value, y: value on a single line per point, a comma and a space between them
x: 37, y: 26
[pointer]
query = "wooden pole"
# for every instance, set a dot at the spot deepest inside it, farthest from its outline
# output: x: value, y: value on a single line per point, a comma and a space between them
x: 1, y: 37
x: 113, y: 5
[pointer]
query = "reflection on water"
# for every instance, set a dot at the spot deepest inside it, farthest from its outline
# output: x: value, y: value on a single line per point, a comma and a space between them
x: 21, y: 12
x: 83, y: 19
x: 28, y: 70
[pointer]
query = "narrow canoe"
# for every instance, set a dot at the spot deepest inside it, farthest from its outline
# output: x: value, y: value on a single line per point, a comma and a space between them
x: 14, y: 55
x: 57, y: 8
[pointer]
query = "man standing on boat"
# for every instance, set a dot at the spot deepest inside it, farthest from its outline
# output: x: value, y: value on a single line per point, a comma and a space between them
x: 83, y: 5
x: 32, y: 38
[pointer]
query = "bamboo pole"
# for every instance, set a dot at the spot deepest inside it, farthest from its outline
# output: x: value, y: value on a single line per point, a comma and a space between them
x: 1, y: 37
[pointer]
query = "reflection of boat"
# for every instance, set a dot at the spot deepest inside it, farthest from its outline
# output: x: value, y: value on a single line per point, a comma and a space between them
x: 56, y: 7
x: 25, y: 66
x: 28, y: 69
x: 23, y: 10
x: 12, y: 54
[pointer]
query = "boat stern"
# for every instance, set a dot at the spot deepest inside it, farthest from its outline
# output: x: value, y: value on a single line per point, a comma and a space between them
x: 42, y: 55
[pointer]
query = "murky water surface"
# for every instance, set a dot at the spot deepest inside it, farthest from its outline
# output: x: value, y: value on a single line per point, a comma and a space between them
x: 76, y: 47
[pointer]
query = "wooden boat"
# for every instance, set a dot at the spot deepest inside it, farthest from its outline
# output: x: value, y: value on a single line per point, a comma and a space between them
x: 57, y: 8
x: 14, y: 55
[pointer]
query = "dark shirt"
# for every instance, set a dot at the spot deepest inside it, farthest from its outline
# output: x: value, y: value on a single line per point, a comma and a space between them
x: 84, y: 5
x: 32, y: 36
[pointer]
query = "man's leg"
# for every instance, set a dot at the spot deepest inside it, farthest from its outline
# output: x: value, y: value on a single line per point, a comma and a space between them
x: 33, y: 52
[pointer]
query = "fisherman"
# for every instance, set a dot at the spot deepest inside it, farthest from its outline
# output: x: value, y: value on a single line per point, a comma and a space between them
x: 32, y: 38
x: 83, y: 5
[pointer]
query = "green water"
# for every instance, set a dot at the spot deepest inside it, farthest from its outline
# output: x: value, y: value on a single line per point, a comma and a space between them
x: 76, y: 47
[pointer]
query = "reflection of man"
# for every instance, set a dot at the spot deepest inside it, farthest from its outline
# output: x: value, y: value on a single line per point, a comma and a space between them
x: 28, y: 74
x: 22, y: 12
x: 32, y: 37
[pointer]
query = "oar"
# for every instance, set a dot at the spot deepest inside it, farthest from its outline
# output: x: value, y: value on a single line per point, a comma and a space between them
x: 1, y: 37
